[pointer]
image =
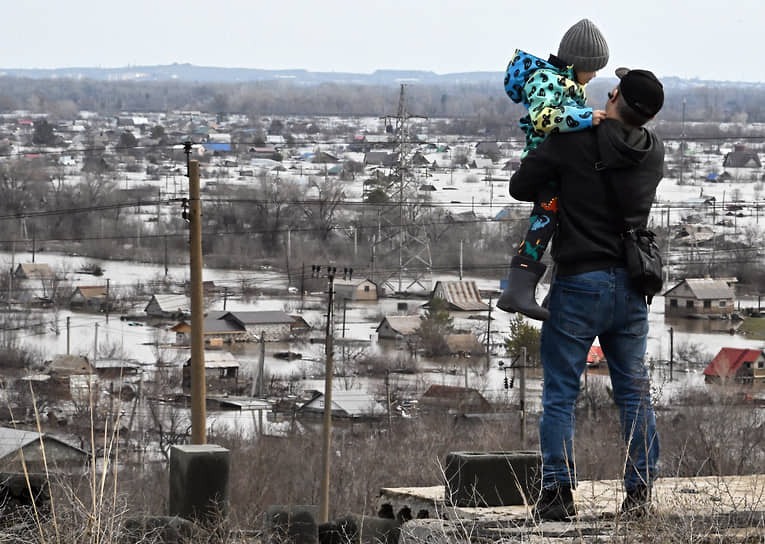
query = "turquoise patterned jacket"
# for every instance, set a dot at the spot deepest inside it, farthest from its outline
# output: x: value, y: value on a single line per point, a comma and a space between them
x: 554, y: 99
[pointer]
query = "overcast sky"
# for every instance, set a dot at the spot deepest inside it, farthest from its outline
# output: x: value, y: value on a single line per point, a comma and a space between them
x: 707, y: 39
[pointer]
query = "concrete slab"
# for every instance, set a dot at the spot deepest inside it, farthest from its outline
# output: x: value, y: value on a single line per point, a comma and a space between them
x: 729, y: 506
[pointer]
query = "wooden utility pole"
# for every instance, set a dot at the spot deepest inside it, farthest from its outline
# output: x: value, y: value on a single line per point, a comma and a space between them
x: 95, y: 346
x: 488, y: 338
x: 327, y: 431
x: 107, y: 300
x: 68, y: 330
x: 387, y: 400
x: 522, y: 392
x: 460, y: 260
x: 671, y: 351
x: 262, y: 367
x: 302, y: 287
x: 198, y: 389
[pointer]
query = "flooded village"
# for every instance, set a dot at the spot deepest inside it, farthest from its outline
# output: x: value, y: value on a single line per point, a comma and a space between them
x: 413, y: 222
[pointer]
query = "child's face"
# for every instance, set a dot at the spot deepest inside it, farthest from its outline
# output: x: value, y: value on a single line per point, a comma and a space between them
x: 583, y: 78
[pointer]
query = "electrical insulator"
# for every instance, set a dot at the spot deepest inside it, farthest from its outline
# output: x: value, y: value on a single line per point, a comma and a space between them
x: 512, y: 381
x: 507, y: 386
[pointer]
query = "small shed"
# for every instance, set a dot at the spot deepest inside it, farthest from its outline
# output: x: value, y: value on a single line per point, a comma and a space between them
x: 460, y: 295
x: 168, y: 306
x: 736, y: 365
x: 398, y: 326
x: 454, y: 398
x: 361, y: 289
x: 59, y: 455
x: 346, y: 405
x: 700, y: 297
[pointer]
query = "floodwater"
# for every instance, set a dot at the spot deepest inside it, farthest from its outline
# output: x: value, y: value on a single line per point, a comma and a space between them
x: 133, y: 340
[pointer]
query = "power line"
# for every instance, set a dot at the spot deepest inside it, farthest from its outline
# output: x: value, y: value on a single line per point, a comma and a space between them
x: 86, y: 209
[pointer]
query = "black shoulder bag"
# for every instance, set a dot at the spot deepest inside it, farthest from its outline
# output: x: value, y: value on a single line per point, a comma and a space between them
x: 642, y: 256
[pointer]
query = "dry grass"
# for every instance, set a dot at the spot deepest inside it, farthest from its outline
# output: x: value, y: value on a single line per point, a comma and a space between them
x: 722, y: 436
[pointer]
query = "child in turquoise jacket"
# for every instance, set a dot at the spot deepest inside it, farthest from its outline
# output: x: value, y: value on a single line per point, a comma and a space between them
x: 553, y: 93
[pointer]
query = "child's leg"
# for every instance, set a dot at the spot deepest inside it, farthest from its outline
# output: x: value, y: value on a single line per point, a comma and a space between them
x: 542, y: 224
x: 525, y: 268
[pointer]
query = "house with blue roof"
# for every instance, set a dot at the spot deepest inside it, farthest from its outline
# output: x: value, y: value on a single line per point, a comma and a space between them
x: 215, y: 147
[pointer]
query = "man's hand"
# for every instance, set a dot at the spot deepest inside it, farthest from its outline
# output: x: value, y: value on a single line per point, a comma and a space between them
x: 598, y: 116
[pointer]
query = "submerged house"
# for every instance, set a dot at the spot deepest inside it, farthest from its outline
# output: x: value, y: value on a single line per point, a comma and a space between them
x: 214, y: 331
x: 39, y: 282
x: 736, y: 365
x: 459, y: 295
x: 700, y: 297
x: 453, y: 398
x: 31, y: 271
x: 742, y: 164
x: 221, y: 371
x: 274, y: 325
x: 395, y: 327
x: 361, y: 289
x: 345, y: 405
x: 91, y: 297
x: 59, y: 456
x: 168, y: 306
x: 70, y: 377
x: 464, y: 344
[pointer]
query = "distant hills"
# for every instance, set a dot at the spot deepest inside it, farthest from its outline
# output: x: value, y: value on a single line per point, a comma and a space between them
x: 211, y: 74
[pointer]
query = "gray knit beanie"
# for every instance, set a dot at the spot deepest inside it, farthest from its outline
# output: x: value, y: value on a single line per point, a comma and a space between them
x: 584, y: 46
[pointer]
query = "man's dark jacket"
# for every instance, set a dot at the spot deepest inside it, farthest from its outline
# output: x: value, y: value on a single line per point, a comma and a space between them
x: 630, y: 165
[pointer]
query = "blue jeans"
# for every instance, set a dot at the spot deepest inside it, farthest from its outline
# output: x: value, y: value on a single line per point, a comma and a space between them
x: 584, y: 306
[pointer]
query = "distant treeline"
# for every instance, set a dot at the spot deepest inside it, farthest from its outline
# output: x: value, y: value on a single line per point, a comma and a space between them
x: 715, y: 102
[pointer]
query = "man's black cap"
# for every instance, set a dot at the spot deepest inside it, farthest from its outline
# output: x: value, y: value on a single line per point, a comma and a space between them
x: 642, y: 91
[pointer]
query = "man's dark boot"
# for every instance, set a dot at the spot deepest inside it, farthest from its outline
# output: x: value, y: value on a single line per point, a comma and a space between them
x: 521, y: 287
x: 637, y: 503
x: 555, y: 504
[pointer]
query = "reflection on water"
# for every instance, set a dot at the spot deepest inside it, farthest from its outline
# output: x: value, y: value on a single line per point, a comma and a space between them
x: 703, y: 326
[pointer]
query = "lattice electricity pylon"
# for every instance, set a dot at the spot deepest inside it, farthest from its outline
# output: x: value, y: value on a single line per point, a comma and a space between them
x: 401, y: 227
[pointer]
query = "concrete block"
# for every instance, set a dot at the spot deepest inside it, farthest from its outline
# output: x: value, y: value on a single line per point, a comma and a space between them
x: 293, y: 524
x: 199, y: 482
x: 360, y: 530
x: 500, y: 478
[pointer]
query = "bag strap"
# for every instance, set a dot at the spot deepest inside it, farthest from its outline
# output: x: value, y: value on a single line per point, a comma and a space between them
x: 627, y: 230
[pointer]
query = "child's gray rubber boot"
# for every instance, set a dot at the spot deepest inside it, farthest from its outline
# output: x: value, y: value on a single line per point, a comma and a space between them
x: 522, y: 281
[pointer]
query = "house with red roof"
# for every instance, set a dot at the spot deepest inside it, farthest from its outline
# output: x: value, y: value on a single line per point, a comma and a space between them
x: 736, y: 365
x: 595, y: 356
